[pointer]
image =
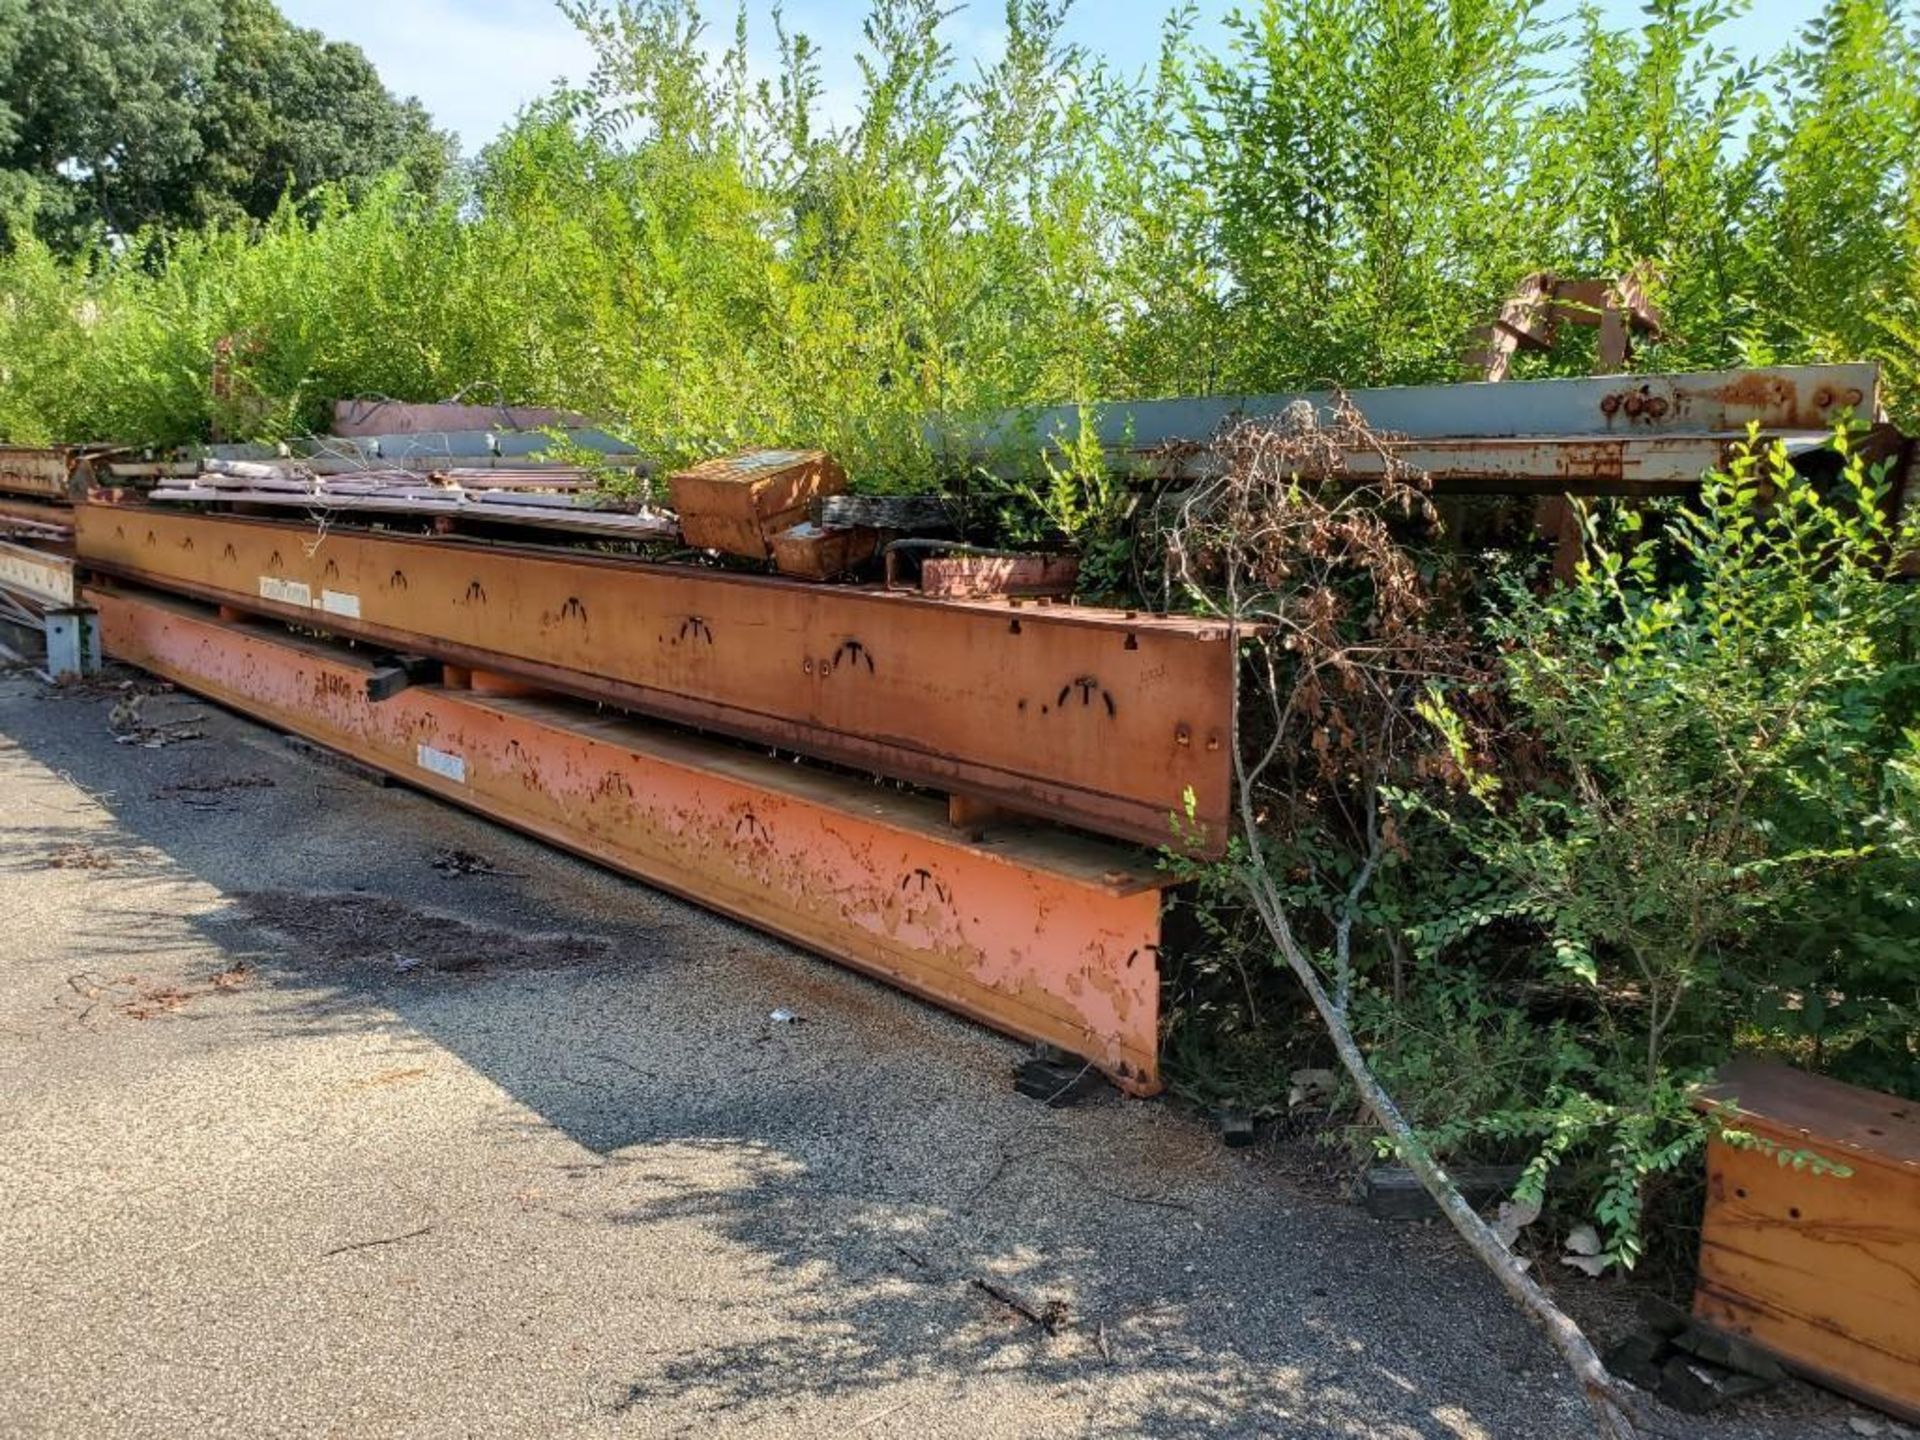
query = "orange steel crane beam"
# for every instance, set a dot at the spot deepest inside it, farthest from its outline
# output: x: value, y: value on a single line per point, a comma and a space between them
x: 1108, y: 720
x: 1043, y: 934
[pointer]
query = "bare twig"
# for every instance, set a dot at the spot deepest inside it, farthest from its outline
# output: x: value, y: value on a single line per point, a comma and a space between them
x: 369, y: 1244
x: 1050, y: 1316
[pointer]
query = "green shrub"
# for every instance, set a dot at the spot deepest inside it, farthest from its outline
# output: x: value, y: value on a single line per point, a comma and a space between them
x: 699, y: 258
x: 1721, y: 847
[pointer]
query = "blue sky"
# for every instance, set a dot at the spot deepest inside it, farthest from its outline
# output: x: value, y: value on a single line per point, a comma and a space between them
x: 473, y: 63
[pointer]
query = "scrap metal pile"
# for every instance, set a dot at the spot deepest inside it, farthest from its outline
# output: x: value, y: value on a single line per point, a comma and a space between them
x: 448, y: 608
x: 41, y: 622
x: 561, y: 499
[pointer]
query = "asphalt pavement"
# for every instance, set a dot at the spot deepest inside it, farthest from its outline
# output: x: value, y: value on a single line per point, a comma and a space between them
x: 327, y: 1109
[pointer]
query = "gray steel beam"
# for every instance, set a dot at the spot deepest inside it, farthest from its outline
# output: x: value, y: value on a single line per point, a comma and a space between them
x: 1785, y: 398
x: 44, y: 577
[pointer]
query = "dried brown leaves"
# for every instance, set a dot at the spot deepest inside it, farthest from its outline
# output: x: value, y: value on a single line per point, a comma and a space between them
x: 1301, y: 531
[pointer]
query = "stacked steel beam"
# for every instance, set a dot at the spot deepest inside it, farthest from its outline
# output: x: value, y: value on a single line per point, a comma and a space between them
x: 1111, y: 723
x: 41, y: 622
x: 984, y: 772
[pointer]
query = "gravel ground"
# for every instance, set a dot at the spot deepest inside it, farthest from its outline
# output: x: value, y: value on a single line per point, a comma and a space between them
x: 315, y: 1126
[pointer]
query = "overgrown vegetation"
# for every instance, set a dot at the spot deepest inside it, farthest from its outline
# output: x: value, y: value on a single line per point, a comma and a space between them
x: 1348, y: 646
x: 1717, y: 841
x: 1559, y: 851
x: 689, y: 249
x: 1541, y: 857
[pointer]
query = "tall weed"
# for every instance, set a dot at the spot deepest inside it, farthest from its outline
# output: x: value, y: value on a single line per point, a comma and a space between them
x: 698, y: 256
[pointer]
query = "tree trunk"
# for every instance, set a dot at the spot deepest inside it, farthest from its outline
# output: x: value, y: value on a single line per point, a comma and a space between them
x: 1602, y: 1391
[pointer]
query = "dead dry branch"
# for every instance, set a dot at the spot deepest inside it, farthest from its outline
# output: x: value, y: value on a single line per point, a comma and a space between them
x: 1343, y: 636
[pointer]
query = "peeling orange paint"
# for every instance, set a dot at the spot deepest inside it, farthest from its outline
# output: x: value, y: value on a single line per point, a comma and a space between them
x: 1043, y: 934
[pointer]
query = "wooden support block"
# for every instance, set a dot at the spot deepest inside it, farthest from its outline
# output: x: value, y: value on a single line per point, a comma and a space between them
x: 1822, y: 1270
x: 823, y: 552
x: 971, y: 817
x: 488, y: 682
x: 738, y: 503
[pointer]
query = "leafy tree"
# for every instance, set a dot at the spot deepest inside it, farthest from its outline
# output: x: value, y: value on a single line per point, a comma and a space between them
x: 1368, y: 162
x: 119, y: 114
x: 288, y: 110
x: 103, y: 100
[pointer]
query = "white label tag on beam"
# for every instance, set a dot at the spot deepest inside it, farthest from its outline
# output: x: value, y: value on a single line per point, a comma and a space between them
x: 286, y: 592
x: 441, y: 763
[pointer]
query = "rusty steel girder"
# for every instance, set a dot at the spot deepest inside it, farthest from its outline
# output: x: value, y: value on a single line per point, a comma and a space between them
x: 1095, y: 718
x: 36, y: 517
x: 1046, y: 935
x: 44, y: 577
x: 45, y: 473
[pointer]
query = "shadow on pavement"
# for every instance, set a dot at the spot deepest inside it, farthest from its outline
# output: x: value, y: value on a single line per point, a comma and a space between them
x: 908, y: 1215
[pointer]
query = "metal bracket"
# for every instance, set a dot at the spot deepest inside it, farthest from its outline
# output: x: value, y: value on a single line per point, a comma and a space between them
x: 398, y: 672
x: 73, y: 643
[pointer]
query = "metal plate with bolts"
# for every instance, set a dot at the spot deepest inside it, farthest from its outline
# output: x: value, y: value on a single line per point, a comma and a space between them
x: 73, y: 643
x: 1048, y: 936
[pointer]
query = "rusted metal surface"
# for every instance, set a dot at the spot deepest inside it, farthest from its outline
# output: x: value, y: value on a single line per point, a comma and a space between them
x: 44, y: 473
x: 35, y: 573
x: 393, y: 493
x: 1088, y: 717
x: 977, y: 576
x: 1643, y: 465
x: 738, y: 503
x: 37, y: 516
x: 1048, y: 936
x: 823, y: 552
x: 1784, y: 398
x: 362, y: 456
x: 1821, y: 1269
x: 1532, y: 317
